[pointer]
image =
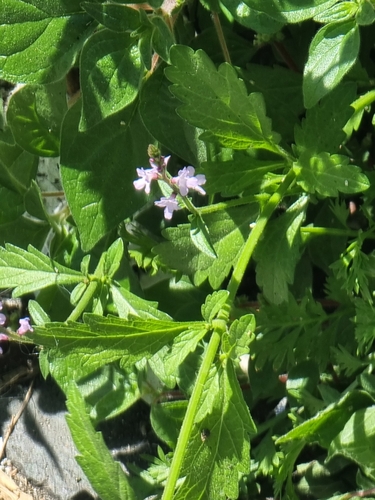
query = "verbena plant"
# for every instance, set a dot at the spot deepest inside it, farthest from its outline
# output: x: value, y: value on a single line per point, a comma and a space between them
x: 252, y: 124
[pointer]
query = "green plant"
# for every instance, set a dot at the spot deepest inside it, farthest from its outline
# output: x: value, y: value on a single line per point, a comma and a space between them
x: 272, y: 103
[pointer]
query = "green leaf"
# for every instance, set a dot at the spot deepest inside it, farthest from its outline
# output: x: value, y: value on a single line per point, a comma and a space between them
x: 35, y: 115
x: 365, y: 14
x: 17, y: 168
x: 322, y: 129
x: 228, y: 230
x: 277, y: 262
x: 357, y: 440
x: 34, y: 203
x: 289, y: 10
x: 200, y: 236
x: 241, y: 333
x: 213, y: 304
x: 23, y: 232
x: 185, y: 343
x: 161, y: 120
x: 108, y: 392
x: 329, y: 174
x: 332, y: 53
x: 218, y: 450
x: 104, y: 474
x: 364, y: 324
x: 130, y: 305
x: 77, y: 349
x: 339, y: 12
x: 251, y: 18
x: 282, y: 92
x: 162, y: 38
x: 40, y: 40
x: 113, y: 16
x: 164, y: 417
x: 113, y: 259
x: 37, y: 313
x: 31, y: 270
x: 217, y: 101
x: 232, y: 177
x: 111, y: 74
x: 98, y: 169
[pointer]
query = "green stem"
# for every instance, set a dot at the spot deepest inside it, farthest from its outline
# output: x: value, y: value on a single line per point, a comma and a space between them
x: 191, y: 411
x: 224, y: 205
x: 83, y: 303
x: 247, y: 252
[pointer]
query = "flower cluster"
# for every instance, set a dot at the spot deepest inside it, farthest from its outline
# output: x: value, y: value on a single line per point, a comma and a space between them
x: 181, y: 184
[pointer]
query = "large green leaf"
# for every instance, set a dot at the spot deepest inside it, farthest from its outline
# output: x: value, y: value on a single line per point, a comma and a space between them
x: 111, y: 73
x: 113, y: 16
x: 105, y: 475
x: 332, y: 53
x: 77, y: 349
x: 98, y: 168
x: 35, y: 115
x: 40, y: 39
x: 329, y: 174
x: 252, y: 18
x: 357, y: 440
x: 217, y: 101
x: 228, y: 231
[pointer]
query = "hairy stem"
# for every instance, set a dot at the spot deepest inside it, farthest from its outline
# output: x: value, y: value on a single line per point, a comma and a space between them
x: 191, y: 411
x: 83, y: 303
x: 251, y: 243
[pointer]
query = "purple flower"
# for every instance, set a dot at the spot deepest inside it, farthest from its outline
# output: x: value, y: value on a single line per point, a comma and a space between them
x: 145, y: 178
x: 186, y: 180
x: 24, y: 326
x: 170, y: 204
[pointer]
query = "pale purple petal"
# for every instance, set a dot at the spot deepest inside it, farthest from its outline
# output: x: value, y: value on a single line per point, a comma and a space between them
x: 3, y: 319
x: 3, y: 336
x: 24, y: 326
x: 170, y: 205
x: 186, y: 180
x: 145, y: 178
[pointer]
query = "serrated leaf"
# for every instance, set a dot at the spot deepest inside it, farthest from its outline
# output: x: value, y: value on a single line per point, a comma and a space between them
x: 365, y: 325
x: 111, y: 73
x: 252, y: 18
x: 282, y: 92
x: 160, y: 118
x: 217, y: 101
x: 113, y: 16
x: 278, y: 252
x: 200, y: 236
x: 218, y: 449
x: 31, y: 270
x: 332, y: 53
x: 105, y: 475
x: 322, y: 128
x: 40, y: 40
x: 185, y: 343
x: 98, y: 170
x: 130, y: 305
x: 35, y: 115
x: 241, y: 333
x: 329, y: 174
x: 232, y: 177
x: 228, y: 230
x: 77, y: 349
x: 213, y: 304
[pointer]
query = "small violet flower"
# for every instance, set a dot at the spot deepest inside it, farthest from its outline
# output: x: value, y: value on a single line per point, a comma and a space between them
x: 24, y: 326
x: 170, y: 204
x: 145, y: 178
x: 186, y: 180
